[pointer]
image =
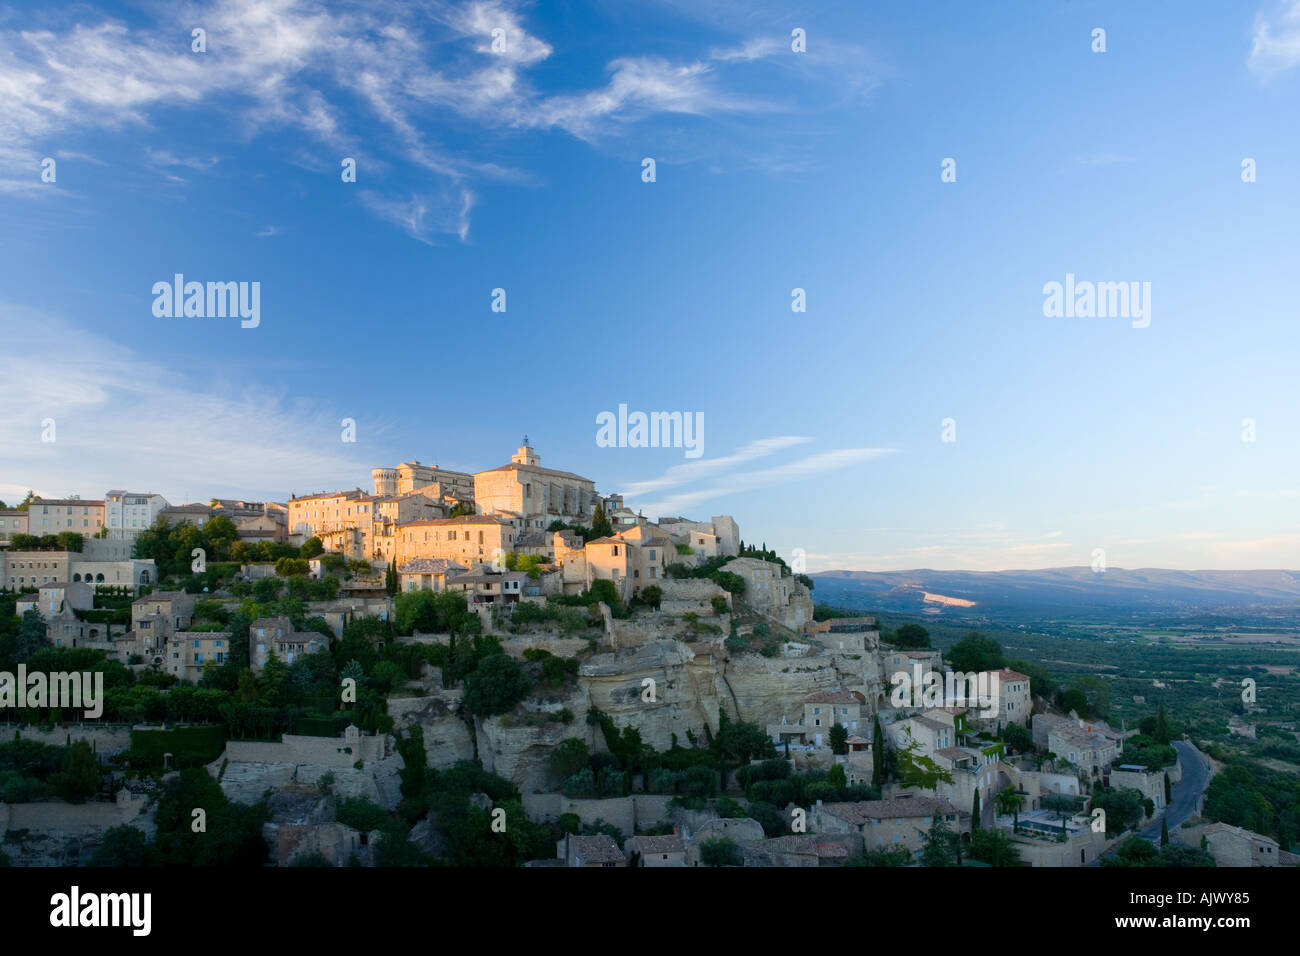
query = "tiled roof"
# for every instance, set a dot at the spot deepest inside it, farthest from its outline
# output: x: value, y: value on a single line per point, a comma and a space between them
x: 867, y: 810
x: 657, y: 844
x: 600, y: 848
x: 1006, y: 675
x: 160, y: 596
x: 806, y: 843
x: 835, y: 697
x: 463, y: 519
x: 430, y: 566
x: 537, y: 470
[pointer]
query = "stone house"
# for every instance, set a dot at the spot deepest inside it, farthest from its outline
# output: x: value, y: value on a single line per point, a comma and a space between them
x: 590, y: 851
x: 881, y: 824
x: 656, y: 851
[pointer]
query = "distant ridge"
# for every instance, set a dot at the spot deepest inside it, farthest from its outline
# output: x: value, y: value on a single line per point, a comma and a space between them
x: 1071, y: 590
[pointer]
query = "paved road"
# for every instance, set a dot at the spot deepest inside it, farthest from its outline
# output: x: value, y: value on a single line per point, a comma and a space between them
x: 1185, y: 798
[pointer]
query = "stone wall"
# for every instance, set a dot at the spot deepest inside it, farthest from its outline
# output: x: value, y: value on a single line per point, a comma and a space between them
x: 104, y: 738
x: 627, y: 813
x: 326, y: 751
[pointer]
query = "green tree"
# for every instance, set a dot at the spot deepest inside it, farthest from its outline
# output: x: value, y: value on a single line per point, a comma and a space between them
x: 994, y: 847
x: 78, y: 776
x: 568, y: 758
x: 1164, y: 831
x: 311, y: 548
x: 392, y: 583
x: 877, y: 753
x: 1009, y: 800
x: 975, y: 653
x: 219, y: 533
x: 1162, y: 726
x: 600, y: 526
x: 496, y: 685
x: 1018, y: 738
x: 720, y: 851
x: 939, y: 844
x: 915, y: 769
x: 839, y: 739
x: 122, y: 846
x: 911, y: 636
x: 975, y: 813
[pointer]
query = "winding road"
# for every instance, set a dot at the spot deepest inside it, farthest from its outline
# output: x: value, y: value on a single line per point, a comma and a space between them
x: 1185, y: 795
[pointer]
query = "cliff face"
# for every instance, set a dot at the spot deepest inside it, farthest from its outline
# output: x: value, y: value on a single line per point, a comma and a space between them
x: 691, y: 682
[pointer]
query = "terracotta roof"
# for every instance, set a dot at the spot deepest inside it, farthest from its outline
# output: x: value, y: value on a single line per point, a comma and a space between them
x: 463, y: 519
x: 822, y: 846
x: 1006, y: 675
x: 600, y: 848
x: 657, y: 844
x: 866, y: 810
x: 835, y: 697
x: 160, y: 596
x: 536, y: 469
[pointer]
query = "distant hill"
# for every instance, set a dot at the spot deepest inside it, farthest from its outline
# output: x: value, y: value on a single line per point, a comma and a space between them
x: 1057, y: 592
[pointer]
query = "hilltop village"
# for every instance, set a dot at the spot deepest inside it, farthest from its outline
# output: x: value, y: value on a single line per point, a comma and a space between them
x: 505, y: 668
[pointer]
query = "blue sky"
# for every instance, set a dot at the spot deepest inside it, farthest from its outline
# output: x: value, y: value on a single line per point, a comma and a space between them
x: 775, y: 170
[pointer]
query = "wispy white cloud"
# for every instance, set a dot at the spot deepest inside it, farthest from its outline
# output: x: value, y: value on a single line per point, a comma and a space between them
x: 267, y: 232
x: 706, y: 467
x: 733, y: 482
x: 305, y: 65
x: 1276, y: 45
x: 178, y: 436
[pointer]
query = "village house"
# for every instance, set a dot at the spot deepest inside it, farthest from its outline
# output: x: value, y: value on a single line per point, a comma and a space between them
x: 53, y: 515
x: 930, y: 732
x: 1088, y: 749
x: 428, y: 574
x: 1235, y: 846
x: 656, y: 851
x: 189, y: 652
x: 803, y: 849
x: 127, y: 513
x: 155, y: 619
x: 467, y: 540
x: 342, y: 520
x: 821, y: 711
x: 488, y: 585
x: 275, y: 635
x: 769, y: 590
x: 901, y: 821
x: 590, y: 851
x: 12, y: 522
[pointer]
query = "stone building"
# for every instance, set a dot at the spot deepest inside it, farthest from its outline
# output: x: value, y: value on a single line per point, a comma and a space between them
x: 342, y: 520
x: 526, y: 489
x: 772, y: 592
x: 127, y: 513
x: 467, y: 540
x: 412, y: 476
x: 52, y: 515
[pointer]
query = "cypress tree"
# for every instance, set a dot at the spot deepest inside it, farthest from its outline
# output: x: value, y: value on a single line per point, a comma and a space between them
x: 1164, y: 832
x: 975, y: 814
x: 877, y: 754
